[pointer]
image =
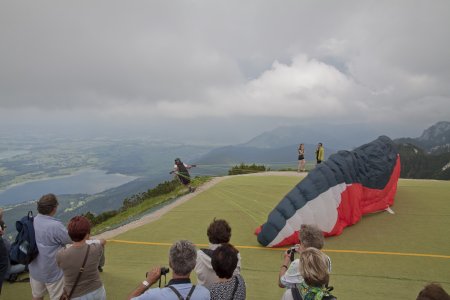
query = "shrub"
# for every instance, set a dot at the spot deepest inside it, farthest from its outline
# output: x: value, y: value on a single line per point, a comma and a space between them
x: 246, y: 169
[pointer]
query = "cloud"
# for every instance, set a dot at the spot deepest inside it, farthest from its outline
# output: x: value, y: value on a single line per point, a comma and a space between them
x: 346, y: 61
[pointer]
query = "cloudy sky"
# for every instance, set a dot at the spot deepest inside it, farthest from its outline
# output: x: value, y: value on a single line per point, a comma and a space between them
x: 223, y: 70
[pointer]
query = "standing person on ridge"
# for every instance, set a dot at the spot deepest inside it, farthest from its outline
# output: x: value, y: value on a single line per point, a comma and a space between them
x: 181, y: 170
x: 301, y: 158
x: 320, y: 153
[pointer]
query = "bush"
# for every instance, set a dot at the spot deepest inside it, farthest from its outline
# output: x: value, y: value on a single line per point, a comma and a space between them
x: 246, y: 169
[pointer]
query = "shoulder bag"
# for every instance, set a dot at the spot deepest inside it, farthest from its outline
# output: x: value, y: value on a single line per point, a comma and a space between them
x: 66, y: 296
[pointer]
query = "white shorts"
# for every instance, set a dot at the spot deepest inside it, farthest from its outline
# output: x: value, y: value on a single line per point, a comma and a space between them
x: 98, y: 294
x: 54, y: 289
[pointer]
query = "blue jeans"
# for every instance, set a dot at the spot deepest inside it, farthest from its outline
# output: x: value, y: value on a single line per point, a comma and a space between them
x: 14, y: 269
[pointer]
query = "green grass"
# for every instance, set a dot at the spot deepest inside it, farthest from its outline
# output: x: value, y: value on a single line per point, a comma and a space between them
x: 421, y: 224
x: 146, y: 206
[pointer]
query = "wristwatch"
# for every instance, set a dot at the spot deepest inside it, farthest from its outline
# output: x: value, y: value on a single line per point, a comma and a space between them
x: 146, y: 283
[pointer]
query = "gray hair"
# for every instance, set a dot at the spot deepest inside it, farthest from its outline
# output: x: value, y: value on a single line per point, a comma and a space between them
x: 182, y: 257
x: 311, y: 236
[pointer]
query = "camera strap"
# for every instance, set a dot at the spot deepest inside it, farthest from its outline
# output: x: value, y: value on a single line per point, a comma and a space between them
x: 178, y: 293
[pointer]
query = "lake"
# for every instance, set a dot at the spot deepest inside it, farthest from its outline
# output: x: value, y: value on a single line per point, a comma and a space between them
x: 88, y: 181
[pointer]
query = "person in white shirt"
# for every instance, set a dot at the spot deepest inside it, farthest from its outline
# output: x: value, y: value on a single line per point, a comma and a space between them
x: 309, y: 236
x: 219, y: 232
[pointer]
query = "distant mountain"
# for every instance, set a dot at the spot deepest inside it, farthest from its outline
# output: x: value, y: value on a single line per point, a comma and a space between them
x: 417, y: 164
x: 279, y: 146
x: 334, y: 136
x: 236, y: 154
x: 434, y: 140
x: 428, y: 156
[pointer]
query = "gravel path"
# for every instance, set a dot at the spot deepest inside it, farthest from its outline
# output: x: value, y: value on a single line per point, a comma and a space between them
x: 160, y: 212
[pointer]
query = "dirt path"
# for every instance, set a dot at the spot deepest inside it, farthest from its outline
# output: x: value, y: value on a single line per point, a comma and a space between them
x: 160, y: 212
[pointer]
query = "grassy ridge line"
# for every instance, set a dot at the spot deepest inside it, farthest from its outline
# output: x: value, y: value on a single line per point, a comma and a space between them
x: 147, y: 206
x: 421, y: 224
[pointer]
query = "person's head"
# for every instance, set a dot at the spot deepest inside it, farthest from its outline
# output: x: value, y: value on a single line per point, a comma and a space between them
x: 301, y: 146
x: 2, y: 225
x: 311, y: 236
x: 320, y: 145
x: 433, y: 291
x: 219, y: 232
x: 314, y: 267
x: 47, y: 204
x: 177, y: 161
x: 79, y: 228
x: 182, y: 257
x: 224, y: 260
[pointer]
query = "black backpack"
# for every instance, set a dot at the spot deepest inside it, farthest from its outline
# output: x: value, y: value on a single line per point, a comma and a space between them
x: 24, y: 248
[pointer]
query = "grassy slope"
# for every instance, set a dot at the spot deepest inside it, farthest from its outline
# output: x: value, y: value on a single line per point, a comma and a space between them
x: 421, y: 225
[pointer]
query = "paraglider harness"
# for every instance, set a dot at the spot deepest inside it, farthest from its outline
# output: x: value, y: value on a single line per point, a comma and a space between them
x: 182, y: 172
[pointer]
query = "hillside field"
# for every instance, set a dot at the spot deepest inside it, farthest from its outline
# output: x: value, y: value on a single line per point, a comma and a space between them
x: 396, y: 251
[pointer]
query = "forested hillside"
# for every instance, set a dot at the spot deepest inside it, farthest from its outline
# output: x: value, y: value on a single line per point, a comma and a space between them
x: 416, y: 163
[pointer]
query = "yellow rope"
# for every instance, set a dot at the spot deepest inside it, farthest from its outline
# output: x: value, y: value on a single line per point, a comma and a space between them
x: 283, y: 249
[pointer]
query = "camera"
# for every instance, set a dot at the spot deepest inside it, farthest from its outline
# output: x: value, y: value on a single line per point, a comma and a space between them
x: 291, y: 251
x: 163, y: 270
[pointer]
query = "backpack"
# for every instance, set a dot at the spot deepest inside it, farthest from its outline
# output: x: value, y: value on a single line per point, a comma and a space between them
x: 24, y: 248
x: 296, y: 295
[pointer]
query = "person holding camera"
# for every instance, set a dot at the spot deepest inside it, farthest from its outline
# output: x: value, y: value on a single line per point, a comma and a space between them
x: 182, y: 258
x: 309, y: 236
x: 314, y: 268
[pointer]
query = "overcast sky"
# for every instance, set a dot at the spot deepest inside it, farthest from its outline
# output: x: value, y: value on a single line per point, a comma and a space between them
x: 223, y: 69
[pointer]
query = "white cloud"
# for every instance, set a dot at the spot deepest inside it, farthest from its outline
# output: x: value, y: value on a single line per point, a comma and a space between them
x: 364, y: 61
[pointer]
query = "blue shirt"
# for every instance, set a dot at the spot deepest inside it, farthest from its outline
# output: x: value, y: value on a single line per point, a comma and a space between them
x: 51, y: 235
x: 183, y: 286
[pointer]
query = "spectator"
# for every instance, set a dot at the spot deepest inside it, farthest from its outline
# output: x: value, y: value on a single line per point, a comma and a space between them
x: 13, y: 270
x: 4, y: 257
x: 219, y: 232
x: 301, y: 158
x: 51, y: 235
x: 182, y: 258
x: 224, y: 261
x: 314, y: 269
x: 320, y: 153
x: 433, y: 291
x: 71, y: 259
x: 309, y: 236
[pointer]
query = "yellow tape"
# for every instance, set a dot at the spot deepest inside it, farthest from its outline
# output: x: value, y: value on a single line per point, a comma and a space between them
x: 283, y: 249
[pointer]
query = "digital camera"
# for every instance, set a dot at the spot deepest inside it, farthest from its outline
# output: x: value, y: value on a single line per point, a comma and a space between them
x: 291, y: 251
x: 164, y: 271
